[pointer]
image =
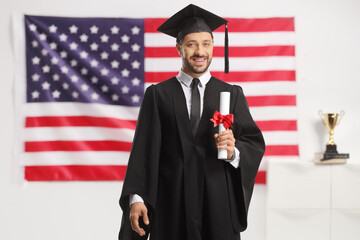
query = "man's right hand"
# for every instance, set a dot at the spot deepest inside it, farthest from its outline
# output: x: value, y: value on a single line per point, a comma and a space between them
x: 137, y: 210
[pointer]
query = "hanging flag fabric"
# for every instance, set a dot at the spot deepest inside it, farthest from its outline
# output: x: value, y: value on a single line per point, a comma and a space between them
x: 84, y: 79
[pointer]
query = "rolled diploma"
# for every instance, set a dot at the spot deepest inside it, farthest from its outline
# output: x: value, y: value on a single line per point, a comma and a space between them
x: 224, y: 110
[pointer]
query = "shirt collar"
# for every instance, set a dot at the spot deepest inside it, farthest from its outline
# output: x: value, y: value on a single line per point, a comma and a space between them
x: 186, y: 79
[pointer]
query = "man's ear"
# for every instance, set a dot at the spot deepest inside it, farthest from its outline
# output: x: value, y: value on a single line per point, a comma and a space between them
x: 178, y: 48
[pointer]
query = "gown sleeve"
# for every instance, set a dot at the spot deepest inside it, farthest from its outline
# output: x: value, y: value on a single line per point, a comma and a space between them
x: 142, y: 169
x: 250, y: 143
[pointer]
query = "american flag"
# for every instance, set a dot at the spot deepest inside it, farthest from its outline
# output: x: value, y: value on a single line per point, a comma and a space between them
x: 85, y: 79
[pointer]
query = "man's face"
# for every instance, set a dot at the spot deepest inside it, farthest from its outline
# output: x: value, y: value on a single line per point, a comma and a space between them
x: 196, y: 52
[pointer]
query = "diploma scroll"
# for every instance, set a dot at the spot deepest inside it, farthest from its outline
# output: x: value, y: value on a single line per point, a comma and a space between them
x: 224, y: 110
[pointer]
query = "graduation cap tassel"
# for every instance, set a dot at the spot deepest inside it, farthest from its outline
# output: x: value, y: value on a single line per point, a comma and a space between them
x: 226, y: 49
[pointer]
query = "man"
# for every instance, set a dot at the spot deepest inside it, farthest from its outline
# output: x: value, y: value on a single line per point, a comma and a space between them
x: 175, y: 187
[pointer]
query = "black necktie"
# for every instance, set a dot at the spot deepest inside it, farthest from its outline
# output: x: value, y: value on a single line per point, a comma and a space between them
x: 195, y: 106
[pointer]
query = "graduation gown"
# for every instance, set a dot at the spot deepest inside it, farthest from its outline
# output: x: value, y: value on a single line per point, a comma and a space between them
x: 189, y: 193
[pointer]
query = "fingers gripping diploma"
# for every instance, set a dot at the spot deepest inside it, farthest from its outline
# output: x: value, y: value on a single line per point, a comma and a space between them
x: 138, y: 210
x: 226, y: 141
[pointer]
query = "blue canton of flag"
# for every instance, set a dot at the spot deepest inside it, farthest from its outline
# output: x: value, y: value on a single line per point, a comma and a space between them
x: 88, y: 60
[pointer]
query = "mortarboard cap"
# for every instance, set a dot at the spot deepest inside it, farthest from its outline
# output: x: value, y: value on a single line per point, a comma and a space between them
x: 192, y: 19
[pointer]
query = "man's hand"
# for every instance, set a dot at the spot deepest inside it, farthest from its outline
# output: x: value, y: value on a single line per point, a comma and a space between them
x: 137, y: 210
x: 226, y: 141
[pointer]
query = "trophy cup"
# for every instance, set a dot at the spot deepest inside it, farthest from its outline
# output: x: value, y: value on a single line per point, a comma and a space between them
x: 331, y: 120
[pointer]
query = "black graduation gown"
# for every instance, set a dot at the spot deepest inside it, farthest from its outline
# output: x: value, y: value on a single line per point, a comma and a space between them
x: 189, y: 193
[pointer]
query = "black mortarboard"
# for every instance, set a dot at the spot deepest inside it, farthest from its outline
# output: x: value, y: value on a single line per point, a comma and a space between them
x: 192, y: 19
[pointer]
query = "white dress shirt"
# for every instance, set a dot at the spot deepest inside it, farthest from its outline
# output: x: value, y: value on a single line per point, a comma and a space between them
x: 185, y: 82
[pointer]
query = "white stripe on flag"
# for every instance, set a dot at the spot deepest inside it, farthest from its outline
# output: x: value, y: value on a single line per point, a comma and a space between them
x: 235, y: 39
x: 75, y: 158
x: 281, y: 137
x: 78, y: 134
x: 264, y: 88
x: 274, y: 113
x: 236, y: 64
x: 268, y: 88
x: 81, y: 109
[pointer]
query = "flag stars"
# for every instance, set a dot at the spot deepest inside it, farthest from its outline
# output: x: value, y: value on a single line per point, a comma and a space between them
x: 46, y: 69
x: 104, y: 72
x: 135, y: 98
x: 135, y: 30
x: 35, y: 77
x: 94, y: 47
x: 115, y: 47
x: 54, y: 60
x: 56, y: 94
x: 95, y: 96
x: 35, y: 60
x: 32, y: 27
x: 73, y: 63
x: 104, y: 55
x: 35, y: 94
x: 53, y: 46
x: 63, y: 37
x: 115, y: 97
x: 115, y: 64
x: 42, y: 36
x: 64, y: 69
x: 84, y: 71
x: 84, y: 54
x: 115, y: 81
x: 75, y: 94
x: 94, y: 29
x: 44, y: 52
x: 104, y: 38
x: 73, y: 46
x: 73, y: 29
x: 74, y: 78
x: 56, y: 77
x: 125, y: 56
x: 65, y: 86
x: 84, y: 38
x: 135, y: 82
x: 34, y: 44
x: 135, y: 64
x: 125, y: 73
x: 53, y: 28
x: 105, y: 88
x: 46, y: 86
x: 115, y: 30
x: 94, y: 63
x: 135, y: 47
x: 125, y: 38
x: 63, y: 54
x: 84, y: 87
x: 94, y: 80
x: 125, y: 90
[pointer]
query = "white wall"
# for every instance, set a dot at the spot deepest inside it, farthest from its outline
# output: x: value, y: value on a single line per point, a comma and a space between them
x: 327, y: 51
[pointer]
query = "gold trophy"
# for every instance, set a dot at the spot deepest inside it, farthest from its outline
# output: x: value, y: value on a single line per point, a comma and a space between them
x: 331, y: 120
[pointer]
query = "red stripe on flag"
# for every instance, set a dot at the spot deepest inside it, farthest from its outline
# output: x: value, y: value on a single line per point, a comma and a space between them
x: 260, y: 177
x: 238, y: 24
x: 44, y: 146
x: 277, y: 125
x: 169, y: 52
x: 250, y: 76
x: 282, y: 150
x: 79, y: 121
x: 75, y: 173
x: 260, y: 101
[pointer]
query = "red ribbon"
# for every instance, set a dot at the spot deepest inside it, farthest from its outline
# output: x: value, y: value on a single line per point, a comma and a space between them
x: 225, y: 119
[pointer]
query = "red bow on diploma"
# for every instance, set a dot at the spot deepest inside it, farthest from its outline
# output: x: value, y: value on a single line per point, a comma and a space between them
x: 225, y: 119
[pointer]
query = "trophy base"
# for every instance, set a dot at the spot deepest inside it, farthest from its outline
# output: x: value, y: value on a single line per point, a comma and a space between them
x: 332, y: 153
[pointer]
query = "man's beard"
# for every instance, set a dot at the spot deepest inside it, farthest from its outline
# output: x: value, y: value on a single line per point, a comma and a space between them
x: 192, y: 68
